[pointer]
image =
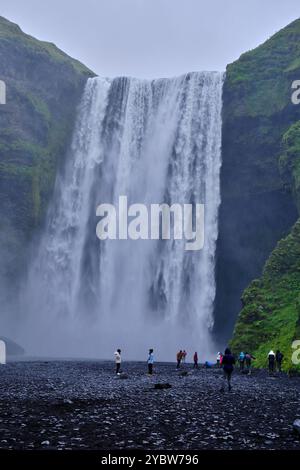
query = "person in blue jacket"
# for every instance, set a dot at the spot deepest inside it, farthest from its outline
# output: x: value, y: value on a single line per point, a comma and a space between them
x: 150, y: 362
x: 242, y: 357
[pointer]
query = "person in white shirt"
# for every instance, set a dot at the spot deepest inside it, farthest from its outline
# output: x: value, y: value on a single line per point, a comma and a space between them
x: 118, y: 360
x: 271, y: 361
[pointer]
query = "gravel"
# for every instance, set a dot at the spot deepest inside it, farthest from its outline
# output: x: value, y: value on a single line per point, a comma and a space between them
x: 82, y: 405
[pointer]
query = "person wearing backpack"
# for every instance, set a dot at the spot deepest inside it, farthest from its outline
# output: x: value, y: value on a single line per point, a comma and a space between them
x: 279, y: 358
x: 248, y: 361
x: 228, y: 366
x: 242, y: 360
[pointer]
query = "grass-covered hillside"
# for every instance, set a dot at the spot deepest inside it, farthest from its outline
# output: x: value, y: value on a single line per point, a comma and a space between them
x: 258, y: 205
x: 43, y: 86
x: 289, y: 161
x: 270, y: 318
x: 261, y: 78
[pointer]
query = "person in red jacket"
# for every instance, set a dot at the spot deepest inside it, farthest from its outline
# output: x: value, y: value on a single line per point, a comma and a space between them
x: 196, y: 360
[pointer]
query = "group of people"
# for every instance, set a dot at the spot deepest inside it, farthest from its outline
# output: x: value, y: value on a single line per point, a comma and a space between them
x: 181, y: 357
x: 150, y: 361
x: 226, y: 361
x: 245, y: 359
x: 275, y: 360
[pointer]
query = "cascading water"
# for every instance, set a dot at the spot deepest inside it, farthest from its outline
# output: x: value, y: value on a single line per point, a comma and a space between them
x: 153, y: 141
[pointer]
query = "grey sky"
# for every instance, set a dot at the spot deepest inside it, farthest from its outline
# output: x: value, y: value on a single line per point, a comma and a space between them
x: 152, y: 38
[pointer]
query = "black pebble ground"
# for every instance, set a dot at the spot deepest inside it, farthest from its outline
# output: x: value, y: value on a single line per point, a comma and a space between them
x: 82, y: 405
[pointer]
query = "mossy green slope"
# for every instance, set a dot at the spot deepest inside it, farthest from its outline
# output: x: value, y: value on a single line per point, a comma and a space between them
x: 257, y: 95
x: 258, y: 205
x: 261, y: 77
x: 270, y: 318
x: 44, y: 86
x: 12, y: 33
x: 289, y: 161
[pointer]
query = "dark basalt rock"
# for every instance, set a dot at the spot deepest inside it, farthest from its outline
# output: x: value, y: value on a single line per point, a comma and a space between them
x: 183, y: 373
x: 122, y: 376
x: 296, y: 426
x: 162, y: 386
x: 105, y: 413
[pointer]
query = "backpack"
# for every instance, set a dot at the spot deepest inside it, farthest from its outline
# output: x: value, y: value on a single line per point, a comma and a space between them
x: 248, y: 358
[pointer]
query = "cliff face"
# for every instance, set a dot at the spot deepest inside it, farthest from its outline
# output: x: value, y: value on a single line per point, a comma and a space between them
x: 270, y: 317
x: 43, y: 86
x: 258, y: 205
x: 260, y: 177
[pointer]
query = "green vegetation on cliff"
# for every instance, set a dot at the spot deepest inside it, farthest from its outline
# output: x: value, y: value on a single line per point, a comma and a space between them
x: 261, y: 78
x: 12, y: 33
x: 44, y: 86
x: 262, y: 140
x: 270, y: 318
x: 258, y: 206
x: 289, y: 161
x: 257, y: 98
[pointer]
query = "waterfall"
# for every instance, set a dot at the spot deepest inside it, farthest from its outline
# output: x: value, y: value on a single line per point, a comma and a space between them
x: 154, y: 141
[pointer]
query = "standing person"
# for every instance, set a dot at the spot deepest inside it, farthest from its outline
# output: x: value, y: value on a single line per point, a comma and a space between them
x: 178, y: 357
x: 150, y: 362
x: 228, y: 366
x: 219, y: 359
x: 279, y: 358
x: 184, y: 353
x: 118, y: 360
x: 196, y: 360
x: 271, y: 361
x: 242, y: 360
x: 248, y: 360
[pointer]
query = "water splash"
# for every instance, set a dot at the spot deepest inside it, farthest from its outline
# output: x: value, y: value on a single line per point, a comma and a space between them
x: 153, y: 141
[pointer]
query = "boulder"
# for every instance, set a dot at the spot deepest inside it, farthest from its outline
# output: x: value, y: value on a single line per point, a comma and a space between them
x: 123, y: 376
x: 296, y: 426
x: 162, y: 386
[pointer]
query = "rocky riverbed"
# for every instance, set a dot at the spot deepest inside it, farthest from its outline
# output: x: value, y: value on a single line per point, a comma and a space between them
x: 82, y: 405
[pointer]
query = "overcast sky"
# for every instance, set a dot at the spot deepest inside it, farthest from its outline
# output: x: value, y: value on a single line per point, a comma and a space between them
x: 152, y: 38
